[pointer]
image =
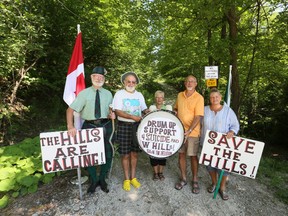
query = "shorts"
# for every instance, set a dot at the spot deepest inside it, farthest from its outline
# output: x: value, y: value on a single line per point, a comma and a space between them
x: 126, y: 136
x: 191, y: 146
x: 157, y: 161
x: 210, y: 169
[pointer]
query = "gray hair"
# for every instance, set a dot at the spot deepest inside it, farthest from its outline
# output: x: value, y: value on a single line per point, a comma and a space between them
x: 159, y: 92
x: 215, y: 90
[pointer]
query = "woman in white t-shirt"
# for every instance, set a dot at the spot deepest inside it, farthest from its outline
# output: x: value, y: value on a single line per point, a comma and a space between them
x: 159, y: 163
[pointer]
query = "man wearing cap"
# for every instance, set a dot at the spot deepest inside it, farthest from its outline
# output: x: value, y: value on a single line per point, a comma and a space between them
x: 95, y: 114
x: 129, y: 105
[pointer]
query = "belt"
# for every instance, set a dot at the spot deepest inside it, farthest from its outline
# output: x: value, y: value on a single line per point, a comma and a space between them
x: 97, y: 121
x: 125, y: 123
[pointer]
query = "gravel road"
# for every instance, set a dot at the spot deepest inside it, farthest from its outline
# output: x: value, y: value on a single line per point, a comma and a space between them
x: 247, y: 196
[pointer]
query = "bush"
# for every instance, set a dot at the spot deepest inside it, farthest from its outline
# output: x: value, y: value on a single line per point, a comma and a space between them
x: 21, y: 170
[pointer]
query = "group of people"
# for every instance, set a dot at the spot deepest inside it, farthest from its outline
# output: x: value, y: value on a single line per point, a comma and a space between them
x: 128, y: 105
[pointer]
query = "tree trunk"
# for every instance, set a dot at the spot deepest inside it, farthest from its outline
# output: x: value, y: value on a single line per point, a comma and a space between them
x: 250, y: 76
x: 233, y: 31
x: 21, y: 74
x: 209, y: 36
x: 224, y: 28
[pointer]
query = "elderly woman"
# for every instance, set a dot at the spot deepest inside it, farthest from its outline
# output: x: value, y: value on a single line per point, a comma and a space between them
x: 158, y: 164
x: 219, y: 118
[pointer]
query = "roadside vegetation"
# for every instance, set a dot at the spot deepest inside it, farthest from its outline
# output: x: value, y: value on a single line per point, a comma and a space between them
x: 273, y: 172
x: 21, y: 172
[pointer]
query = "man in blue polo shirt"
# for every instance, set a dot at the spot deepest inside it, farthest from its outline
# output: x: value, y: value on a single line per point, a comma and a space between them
x: 95, y: 114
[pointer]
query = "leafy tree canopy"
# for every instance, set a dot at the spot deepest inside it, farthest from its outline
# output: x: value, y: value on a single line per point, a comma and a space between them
x: 163, y: 41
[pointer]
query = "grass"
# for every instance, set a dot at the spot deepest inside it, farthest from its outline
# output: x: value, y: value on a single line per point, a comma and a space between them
x: 273, y: 172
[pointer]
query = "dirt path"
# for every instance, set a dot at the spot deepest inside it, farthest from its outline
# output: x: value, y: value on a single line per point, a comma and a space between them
x: 247, y: 197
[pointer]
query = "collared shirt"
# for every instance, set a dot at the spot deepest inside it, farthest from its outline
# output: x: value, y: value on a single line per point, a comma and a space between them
x: 189, y: 107
x: 85, y: 103
x: 222, y: 121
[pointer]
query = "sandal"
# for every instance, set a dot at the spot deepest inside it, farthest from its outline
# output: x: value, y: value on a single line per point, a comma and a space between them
x: 195, y: 187
x: 180, y: 184
x: 223, y: 195
x: 126, y: 185
x: 156, y: 177
x: 135, y: 183
x: 161, y: 176
x: 211, y: 188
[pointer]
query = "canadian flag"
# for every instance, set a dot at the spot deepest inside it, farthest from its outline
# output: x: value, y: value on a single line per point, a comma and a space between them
x: 75, y: 80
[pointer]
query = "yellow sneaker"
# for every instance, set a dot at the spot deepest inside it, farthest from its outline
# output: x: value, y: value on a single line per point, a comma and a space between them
x: 135, y: 183
x: 126, y: 185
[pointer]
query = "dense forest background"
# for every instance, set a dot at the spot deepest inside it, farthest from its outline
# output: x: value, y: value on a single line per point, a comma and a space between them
x: 162, y: 40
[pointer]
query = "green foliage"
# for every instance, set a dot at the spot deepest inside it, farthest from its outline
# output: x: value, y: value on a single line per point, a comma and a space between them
x: 47, y: 177
x: 21, y: 169
x: 7, y: 184
x: 4, y: 201
x: 274, y: 173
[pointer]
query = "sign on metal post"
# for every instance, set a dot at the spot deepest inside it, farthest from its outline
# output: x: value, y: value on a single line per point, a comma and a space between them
x: 235, y: 155
x: 211, y: 72
x: 62, y: 152
x: 211, y: 82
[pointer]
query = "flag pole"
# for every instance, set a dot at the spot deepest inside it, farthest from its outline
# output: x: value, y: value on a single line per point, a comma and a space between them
x: 76, y: 120
x: 227, y: 100
x: 218, y: 184
x: 75, y: 83
x: 78, y: 28
x: 227, y: 97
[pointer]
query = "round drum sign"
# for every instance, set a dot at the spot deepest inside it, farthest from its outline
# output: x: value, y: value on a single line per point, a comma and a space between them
x: 160, y: 134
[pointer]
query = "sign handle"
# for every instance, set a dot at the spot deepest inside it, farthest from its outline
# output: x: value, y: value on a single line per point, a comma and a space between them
x: 218, y: 184
x: 110, y: 140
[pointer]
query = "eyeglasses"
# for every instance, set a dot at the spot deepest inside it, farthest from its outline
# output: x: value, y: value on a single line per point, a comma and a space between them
x: 130, y: 82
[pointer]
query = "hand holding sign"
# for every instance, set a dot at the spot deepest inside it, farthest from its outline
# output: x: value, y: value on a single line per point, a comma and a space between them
x: 236, y: 155
x: 160, y: 134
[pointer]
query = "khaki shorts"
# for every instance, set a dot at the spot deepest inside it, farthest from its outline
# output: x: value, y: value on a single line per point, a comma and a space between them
x: 191, y: 146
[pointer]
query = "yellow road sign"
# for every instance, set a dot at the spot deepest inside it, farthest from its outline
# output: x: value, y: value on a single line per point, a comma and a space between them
x: 211, y: 82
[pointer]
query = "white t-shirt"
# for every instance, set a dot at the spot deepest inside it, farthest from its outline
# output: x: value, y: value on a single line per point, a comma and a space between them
x: 131, y: 103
